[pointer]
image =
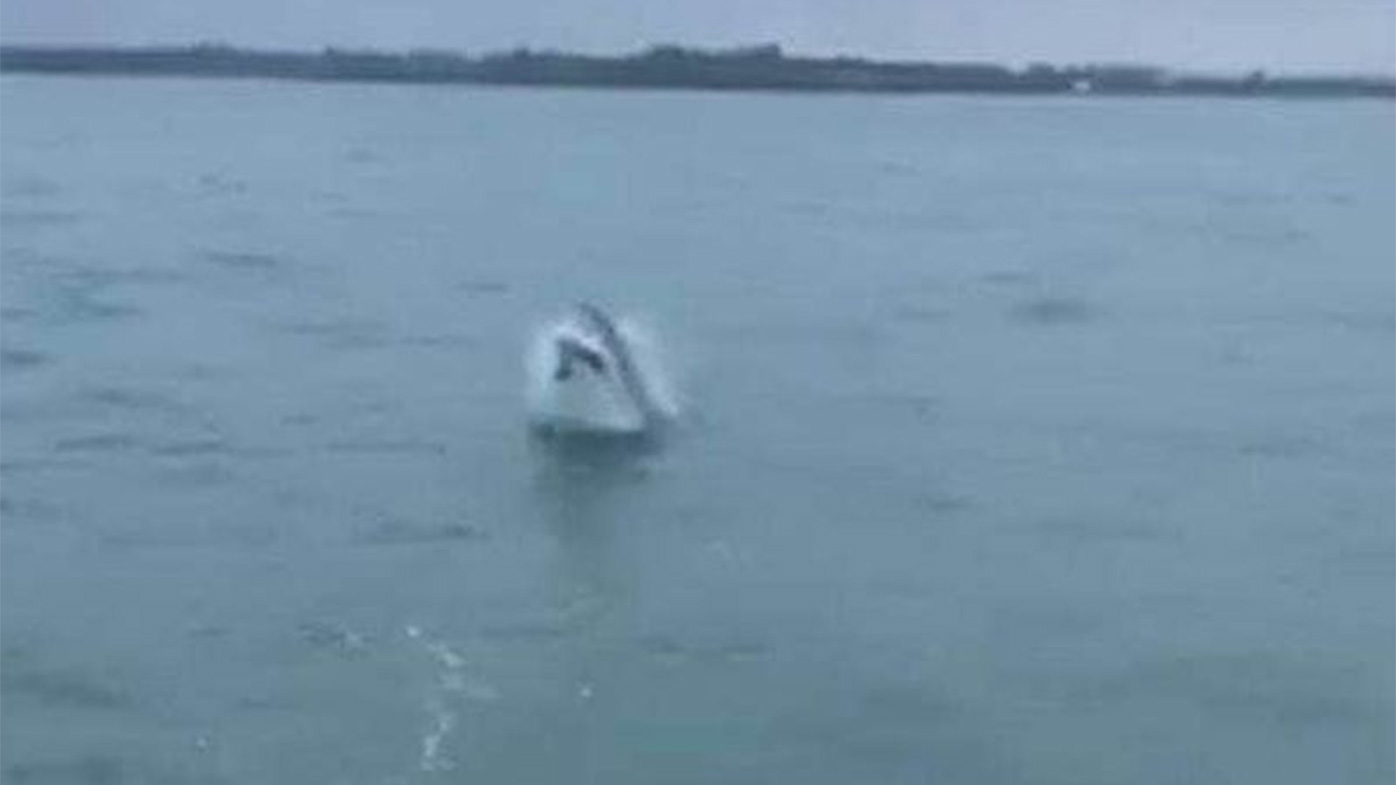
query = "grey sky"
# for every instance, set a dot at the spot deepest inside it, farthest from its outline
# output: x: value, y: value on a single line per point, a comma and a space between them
x: 1342, y: 35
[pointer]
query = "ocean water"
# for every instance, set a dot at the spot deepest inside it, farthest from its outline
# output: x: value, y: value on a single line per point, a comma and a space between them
x: 1024, y: 440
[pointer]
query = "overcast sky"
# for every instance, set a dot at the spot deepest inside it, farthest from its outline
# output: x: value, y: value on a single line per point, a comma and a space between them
x: 1343, y: 35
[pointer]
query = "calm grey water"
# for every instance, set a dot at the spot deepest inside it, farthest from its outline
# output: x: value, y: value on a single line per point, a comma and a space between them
x: 1027, y: 441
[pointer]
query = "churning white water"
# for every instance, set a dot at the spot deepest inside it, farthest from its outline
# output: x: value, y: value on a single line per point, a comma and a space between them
x: 590, y: 402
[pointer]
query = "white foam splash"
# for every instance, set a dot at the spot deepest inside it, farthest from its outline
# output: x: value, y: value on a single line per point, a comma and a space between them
x: 444, y: 720
x: 446, y: 655
x: 595, y: 403
x: 442, y: 717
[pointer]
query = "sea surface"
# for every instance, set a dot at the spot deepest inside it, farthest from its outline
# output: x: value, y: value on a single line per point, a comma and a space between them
x: 1023, y: 440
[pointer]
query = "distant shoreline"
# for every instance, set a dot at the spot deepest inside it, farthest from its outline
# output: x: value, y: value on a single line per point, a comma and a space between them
x: 761, y: 68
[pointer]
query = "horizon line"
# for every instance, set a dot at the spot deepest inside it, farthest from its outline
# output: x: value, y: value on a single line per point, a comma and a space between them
x: 475, y: 54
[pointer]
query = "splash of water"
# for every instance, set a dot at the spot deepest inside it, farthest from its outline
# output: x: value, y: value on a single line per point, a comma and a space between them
x: 598, y: 404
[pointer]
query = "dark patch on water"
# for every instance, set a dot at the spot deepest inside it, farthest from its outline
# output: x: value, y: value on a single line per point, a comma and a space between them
x: 1281, y: 446
x: 196, y: 474
x: 261, y: 703
x: 1009, y: 278
x: 670, y: 648
x: 351, y: 213
x: 1384, y: 421
x: 21, y: 359
x: 923, y: 736
x: 942, y: 503
x: 387, y: 447
x: 84, y: 770
x: 210, y: 184
x: 16, y: 313
x: 376, y: 406
x: 25, y: 509
x: 192, y: 448
x: 535, y: 631
x: 129, y: 399
x: 663, y: 647
x: 63, y: 689
x: 26, y: 465
x: 920, y: 405
x: 78, y: 302
x: 920, y: 314
x: 245, y: 261
x: 440, y: 341
x: 331, y: 637
x: 31, y: 187
x: 1042, y: 623
x: 1276, y: 237
x: 85, y: 276
x: 208, y: 632
x: 898, y: 168
x: 1237, y: 356
x: 1053, y: 311
x: 572, y: 459
x: 809, y: 207
x: 483, y: 287
x: 13, y: 217
x: 1258, y: 684
x: 342, y: 333
x: 1098, y: 529
x: 738, y: 651
x: 101, y: 442
x: 362, y: 155
x: 910, y: 704
x: 1363, y: 322
x: 405, y: 533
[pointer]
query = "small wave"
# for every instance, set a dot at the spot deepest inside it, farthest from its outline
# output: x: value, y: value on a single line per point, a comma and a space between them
x: 192, y: 448
x: 1009, y: 278
x: 1054, y: 311
x: 80, y: 303
x: 362, y: 155
x: 21, y: 358
x: 80, y: 275
x: 64, y: 688
x: 96, y: 769
x: 332, y: 637
x: 20, y: 217
x: 211, y: 184
x: 402, y: 533
x: 525, y: 631
x: 387, y: 447
x: 13, y: 509
x: 244, y: 260
x: 920, y: 314
x: 131, y: 399
x: 668, y: 648
x: 31, y: 187
x: 101, y: 442
x: 483, y: 287
x: 1281, y: 446
x: 348, y: 333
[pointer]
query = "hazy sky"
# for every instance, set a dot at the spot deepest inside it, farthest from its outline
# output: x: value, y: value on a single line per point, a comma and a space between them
x: 1275, y: 34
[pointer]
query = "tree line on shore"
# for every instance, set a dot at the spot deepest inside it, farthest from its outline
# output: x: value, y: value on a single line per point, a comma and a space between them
x: 764, y: 67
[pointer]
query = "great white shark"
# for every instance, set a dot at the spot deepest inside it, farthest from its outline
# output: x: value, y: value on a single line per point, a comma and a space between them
x: 597, y: 383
